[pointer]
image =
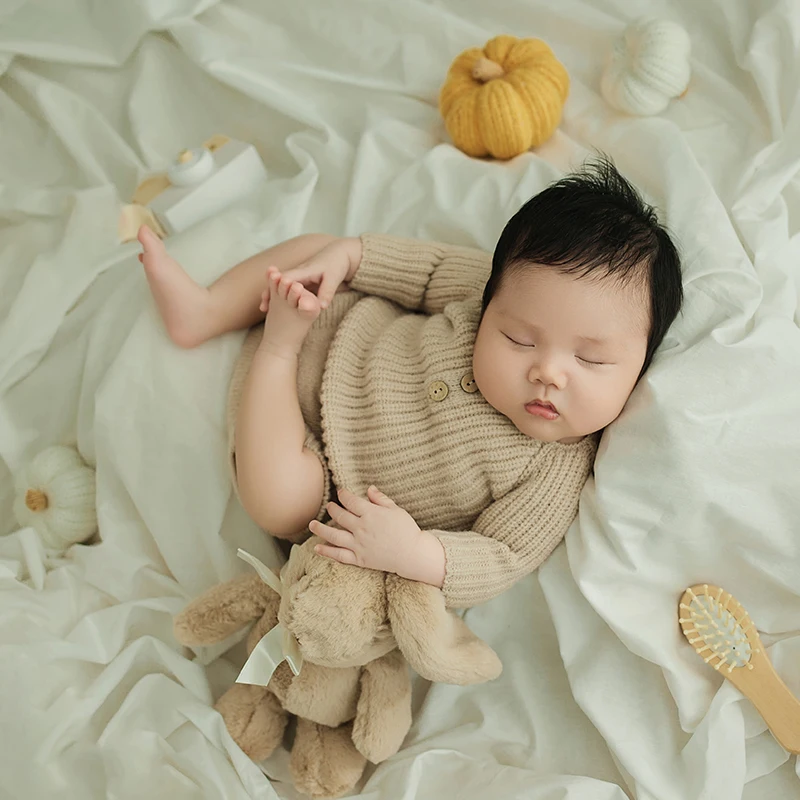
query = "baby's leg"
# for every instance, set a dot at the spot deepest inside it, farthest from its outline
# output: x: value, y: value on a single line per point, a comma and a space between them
x: 281, y: 483
x: 194, y: 314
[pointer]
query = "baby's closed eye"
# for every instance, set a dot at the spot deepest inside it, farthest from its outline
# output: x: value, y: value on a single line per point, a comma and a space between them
x: 594, y: 363
x: 519, y: 344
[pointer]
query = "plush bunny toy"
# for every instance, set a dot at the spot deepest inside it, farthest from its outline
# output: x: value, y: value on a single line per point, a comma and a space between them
x: 357, y: 630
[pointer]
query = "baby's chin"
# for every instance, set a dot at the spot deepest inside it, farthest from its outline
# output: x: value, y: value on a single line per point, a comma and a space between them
x: 540, y: 429
x: 545, y: 430
x: 549, y: 430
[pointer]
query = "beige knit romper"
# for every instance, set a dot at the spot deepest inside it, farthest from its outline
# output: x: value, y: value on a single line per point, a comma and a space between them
x: 311, y: 365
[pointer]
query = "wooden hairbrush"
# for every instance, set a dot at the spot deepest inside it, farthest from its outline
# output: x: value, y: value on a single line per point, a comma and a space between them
x: 724, y: 636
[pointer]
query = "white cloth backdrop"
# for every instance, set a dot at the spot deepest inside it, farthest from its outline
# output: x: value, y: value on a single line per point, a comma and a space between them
x: 601, y: 699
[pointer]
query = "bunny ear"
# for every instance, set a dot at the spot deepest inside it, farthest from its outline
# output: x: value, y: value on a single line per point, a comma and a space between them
x: 437, y: 644
x: 299, y: 558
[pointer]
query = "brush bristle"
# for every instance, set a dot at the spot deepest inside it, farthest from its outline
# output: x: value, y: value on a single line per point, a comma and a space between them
x: 716, y: 625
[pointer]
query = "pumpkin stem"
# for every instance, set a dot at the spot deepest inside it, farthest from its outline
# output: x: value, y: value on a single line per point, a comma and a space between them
x: 36, y: 500
x: 486, y: 70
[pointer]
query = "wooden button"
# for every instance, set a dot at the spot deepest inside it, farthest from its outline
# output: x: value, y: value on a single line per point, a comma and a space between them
x: 468, y: 383
x: 437, y: 391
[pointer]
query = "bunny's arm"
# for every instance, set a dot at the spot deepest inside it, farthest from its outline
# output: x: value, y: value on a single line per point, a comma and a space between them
x: 223, y: 610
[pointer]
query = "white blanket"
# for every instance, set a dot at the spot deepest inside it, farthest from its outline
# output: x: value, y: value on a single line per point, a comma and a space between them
x: 601, y: 697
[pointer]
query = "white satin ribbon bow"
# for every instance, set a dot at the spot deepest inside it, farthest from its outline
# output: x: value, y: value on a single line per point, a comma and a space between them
x: 276, y: 645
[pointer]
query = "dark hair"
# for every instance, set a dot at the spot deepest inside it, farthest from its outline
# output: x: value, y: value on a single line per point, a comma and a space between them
x: 594, y: 222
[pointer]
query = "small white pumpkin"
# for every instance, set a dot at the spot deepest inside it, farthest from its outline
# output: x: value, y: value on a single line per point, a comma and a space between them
x: 649, y: 65
x: 55, y: 495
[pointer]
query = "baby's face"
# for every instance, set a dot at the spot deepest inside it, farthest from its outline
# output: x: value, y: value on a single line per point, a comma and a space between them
x: 576, y: 343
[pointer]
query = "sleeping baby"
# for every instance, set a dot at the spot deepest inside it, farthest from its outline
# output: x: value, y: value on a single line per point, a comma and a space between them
x: 450, y: 400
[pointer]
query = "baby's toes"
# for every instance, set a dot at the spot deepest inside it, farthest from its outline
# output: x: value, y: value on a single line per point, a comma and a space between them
x: 152, y: 246
x: 146, y: 238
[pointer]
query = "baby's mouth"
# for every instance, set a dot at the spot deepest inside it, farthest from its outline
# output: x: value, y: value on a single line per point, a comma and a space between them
x: 542, y: 408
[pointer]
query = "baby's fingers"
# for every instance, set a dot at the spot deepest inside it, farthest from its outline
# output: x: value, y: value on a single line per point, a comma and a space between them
x: 327, y: 290
x: 339, y: 554
x: 308, y: 274
x: 335, y: 536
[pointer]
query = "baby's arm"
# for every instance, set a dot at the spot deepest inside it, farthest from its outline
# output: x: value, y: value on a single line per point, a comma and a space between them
x: 418, y: 275
x: 423, y: 276
x: 515, y: 534
x: 509, y: 540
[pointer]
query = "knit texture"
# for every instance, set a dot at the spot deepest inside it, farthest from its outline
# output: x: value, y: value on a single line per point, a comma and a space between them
x: 648, y: 66
x: 498, y: 500
x: 504, y: 98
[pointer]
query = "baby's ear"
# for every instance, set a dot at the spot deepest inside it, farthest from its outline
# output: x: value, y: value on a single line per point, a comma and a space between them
x: 437, y: 644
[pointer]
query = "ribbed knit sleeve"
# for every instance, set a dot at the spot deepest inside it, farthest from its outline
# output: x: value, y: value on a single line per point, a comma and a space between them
x: 418, y: 275
x: 516, y: 533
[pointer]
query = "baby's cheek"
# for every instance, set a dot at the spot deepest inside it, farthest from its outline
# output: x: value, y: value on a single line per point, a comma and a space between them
x: 602, y: 407
x: 490, y: 379
x: 485, y: 388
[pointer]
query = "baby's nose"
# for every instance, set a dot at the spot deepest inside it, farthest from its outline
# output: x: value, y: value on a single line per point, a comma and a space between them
x: 549, y: 371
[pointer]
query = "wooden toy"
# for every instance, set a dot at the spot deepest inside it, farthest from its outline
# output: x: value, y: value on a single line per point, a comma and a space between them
x: 199, y: 184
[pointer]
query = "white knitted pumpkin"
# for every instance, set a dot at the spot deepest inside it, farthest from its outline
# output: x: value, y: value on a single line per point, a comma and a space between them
x: 649, y: 65
x: 55, y: 495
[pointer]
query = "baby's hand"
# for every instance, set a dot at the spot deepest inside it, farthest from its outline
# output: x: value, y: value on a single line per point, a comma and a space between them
x: 377, y: 534
x: 325, y: 273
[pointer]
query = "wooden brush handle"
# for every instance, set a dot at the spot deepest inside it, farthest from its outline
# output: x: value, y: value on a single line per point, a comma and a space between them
x: 771, y: 697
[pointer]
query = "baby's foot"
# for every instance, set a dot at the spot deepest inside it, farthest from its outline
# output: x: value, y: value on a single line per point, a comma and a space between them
x: 292, y: 311
x: 184, y: 306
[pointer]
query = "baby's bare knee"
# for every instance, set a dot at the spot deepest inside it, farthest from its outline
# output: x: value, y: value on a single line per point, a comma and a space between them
x: 283, y: 504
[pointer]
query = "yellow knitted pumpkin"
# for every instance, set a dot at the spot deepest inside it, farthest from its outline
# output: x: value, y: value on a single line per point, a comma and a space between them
x: 505, y: 98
